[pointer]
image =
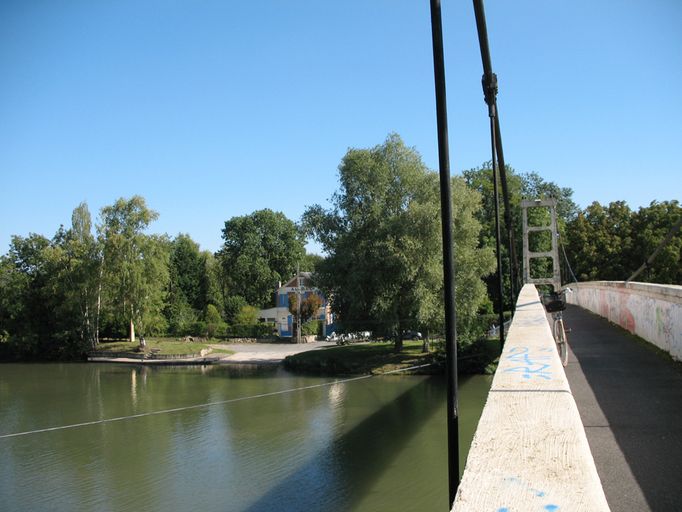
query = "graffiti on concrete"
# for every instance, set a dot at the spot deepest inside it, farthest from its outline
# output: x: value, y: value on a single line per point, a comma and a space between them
x: 531, y: 364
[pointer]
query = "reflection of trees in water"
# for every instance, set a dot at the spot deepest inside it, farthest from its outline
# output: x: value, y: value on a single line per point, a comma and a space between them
x: 314, y: 449
x: 339, y: 474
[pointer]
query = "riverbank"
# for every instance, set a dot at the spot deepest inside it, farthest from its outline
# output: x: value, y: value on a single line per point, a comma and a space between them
x: 317, y: 358
x: 375, y: 358
x: 211, y: 353
x: 366, y: 358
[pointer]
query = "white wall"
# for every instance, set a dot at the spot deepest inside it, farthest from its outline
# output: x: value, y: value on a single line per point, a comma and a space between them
x: 651, y: 311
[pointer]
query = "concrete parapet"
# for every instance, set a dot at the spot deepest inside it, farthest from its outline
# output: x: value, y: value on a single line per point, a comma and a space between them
x: 651, y: 311
x: 530, y: 451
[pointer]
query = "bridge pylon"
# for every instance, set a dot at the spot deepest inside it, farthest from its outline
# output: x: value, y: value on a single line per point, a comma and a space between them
x: 553, y: 278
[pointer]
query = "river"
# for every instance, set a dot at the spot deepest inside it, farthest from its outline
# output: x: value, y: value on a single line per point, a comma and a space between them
x: 364, y: 445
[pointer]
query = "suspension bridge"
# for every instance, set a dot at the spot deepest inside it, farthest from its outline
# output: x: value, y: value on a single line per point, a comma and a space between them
x: 604, y: 433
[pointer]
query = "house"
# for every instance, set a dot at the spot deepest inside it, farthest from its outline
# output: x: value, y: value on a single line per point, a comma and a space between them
x: 283, y: 319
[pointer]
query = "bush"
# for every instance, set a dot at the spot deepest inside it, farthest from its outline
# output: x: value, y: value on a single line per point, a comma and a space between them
x: 214, y: 322
x: 247, y: 315
x: 199, y: 328
x: 312, y: 328
x: 249, y: 330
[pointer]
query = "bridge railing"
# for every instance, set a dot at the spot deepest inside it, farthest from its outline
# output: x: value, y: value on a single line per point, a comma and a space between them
x: 530, y: 451
x: 651, y: 311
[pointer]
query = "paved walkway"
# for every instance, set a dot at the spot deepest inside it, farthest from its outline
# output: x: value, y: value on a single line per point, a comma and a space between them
x: 266, y: 353
x: 630, y: 401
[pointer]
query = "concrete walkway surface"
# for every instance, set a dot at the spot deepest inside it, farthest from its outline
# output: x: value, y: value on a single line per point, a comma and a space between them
x: 245, y: 353
x: 630, y: 401
x: 265, y: 353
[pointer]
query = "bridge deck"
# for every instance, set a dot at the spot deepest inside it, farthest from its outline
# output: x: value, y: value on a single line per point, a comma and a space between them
x: 630, y: 402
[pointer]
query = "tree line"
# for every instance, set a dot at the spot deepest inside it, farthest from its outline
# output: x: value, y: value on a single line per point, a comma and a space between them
x: 610, y: 242
x: 61, y: 296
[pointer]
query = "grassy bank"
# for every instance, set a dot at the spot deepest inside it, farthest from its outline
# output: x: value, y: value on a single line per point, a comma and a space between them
x: 378, y: 358
x: 161, y: 346
x: 363, y: 358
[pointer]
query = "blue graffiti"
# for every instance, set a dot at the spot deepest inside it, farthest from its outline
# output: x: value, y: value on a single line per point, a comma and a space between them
x: 533, y: 365
x: 536, y: 492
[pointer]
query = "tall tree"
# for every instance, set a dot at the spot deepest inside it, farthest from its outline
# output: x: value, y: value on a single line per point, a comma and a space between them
x: 599, y: 242
x: 135, y: 265
x: 382, y: 236
x: 259, y: 250
x: 80, y: 257
x: 187, y: 272
x: 650, y: 225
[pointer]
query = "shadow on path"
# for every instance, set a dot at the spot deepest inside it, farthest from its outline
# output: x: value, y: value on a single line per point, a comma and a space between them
x: 630, y: 401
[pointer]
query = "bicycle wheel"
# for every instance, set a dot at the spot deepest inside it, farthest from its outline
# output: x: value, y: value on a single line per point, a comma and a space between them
x: 561, y: 342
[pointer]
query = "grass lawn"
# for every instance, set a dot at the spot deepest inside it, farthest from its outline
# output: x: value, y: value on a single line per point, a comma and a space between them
x: 363, y: 358
x: 162, y: 346
x: 377, y: 358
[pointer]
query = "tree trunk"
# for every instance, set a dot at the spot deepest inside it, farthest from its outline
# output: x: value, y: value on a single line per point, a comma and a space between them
x: 132, y: 331
x: 99, y: 299
x: 399, y: 339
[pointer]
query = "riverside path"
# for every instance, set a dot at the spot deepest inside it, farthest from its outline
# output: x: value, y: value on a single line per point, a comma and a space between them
x: 630, y: 401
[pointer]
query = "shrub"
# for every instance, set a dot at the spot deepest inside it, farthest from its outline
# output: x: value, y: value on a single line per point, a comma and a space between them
x: 249, y: 330
x: 199, y: 328
x: 312, y: 328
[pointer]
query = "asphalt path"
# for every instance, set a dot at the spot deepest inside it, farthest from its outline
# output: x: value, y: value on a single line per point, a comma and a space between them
x: 630, y: 401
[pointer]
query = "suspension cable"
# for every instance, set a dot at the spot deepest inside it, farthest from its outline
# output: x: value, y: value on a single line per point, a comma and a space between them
x: 568, y: 264
x: 668, y: 237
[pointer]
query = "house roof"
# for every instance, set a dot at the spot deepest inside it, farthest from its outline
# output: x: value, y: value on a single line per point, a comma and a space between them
x: 306, y: 280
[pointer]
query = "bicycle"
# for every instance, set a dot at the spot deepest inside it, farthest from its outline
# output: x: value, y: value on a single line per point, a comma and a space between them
x: 555, y: 303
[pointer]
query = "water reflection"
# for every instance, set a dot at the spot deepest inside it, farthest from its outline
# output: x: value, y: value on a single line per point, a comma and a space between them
x: 337, y: 447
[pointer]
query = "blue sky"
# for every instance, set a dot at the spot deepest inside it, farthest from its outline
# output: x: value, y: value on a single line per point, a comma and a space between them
x: 212, y: 109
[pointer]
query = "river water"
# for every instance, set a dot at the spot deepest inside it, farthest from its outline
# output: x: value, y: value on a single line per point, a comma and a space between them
x: 364, y: 445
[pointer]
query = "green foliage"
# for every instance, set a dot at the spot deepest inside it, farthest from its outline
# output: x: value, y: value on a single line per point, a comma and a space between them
x: 611, y: 242
x: 135, y: 265
x: 312, y: 328
x: 383, y: 238
x: 521, y: 186
x: 309, y: 262
x: 233, y: 305
x: 181, y: 317
x: 259, y: 250
x: 249, y: 330
x: 187, y: 271
x: 215, y: 326
x: 248, y: 315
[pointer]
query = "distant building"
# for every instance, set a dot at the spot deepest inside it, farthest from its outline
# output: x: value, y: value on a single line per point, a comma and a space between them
x: 284, y: 320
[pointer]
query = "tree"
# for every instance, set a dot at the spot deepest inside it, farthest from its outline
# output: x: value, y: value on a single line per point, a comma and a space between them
x: 520, y: 186
x: 383, y: 239
x: 80, y: 257
x: 599, y: 242
x: 25, y: 313
x: 309, y: 306
x: 259, y: 250
x: 187, y: 272
x: 135, y: 266
x: 611, y: 242
x: 248, y: 315
x: 650, y: 225
x: 214, y: 322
